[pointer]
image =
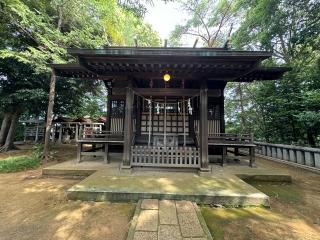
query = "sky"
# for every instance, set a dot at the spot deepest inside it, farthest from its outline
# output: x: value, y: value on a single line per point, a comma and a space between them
x: 164, y: 17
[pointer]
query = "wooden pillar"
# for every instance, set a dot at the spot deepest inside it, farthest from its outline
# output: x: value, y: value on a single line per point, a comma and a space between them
x: 222, y: 121
x: 138, y: 116
x: 77, y: 132
x: 203, y: 137
x: 106, y: 152
x: 49, y: 115
x: 109, y: 109
x: 79, y: 150
x: 128, y: 127
x: 60, y: 134
x: 252, y: 156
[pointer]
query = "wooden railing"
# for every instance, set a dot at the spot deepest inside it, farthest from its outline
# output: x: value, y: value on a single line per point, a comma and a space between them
x: 144, y: 156
x: 90, y: 134
x: 304, y: 156
x: 229, y: 137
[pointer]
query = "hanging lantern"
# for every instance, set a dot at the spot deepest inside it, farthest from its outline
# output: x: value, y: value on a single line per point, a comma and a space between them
x: 166, y: 77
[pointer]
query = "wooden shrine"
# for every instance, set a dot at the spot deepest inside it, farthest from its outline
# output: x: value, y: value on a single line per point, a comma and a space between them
x: 166, y: 105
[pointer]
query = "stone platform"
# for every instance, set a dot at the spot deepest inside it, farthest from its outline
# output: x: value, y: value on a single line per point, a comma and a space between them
x: 105, y: 182
x: 167, y: 220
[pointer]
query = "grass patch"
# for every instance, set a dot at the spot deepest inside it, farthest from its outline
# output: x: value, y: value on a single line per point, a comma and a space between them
x: 18, y: 163
x: 284, y: 192
x: 220, y: 220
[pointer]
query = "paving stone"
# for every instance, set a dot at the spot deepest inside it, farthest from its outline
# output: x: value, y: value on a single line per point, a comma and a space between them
x: 147, y: 220
x: 184, y: 206
x: 145, y: 236
x: 151, y: 204
x: 169, y: 232
x: 190, y: 225
x: 167, y: 212
x: 195, y: 238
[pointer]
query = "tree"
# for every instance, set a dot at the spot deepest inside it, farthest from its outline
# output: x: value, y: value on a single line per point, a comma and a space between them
x: 36, y: 33
x: 210, y: 20
x: 285, y: 109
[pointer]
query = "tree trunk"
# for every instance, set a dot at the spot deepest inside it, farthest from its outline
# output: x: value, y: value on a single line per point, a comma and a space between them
x: 49, y: 116
x: 11, y: 134
x: 5, y: 128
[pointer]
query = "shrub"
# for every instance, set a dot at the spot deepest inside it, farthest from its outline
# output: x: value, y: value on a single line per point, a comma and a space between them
x: 19, y: 163
x: 37, y: 151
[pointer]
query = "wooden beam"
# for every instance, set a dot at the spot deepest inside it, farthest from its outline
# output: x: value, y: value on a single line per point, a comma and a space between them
x: 175, y: 92
x: 204, y: 127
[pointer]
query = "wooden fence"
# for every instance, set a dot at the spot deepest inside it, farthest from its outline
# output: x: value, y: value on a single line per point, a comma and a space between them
x: 304, y: 156
x: 182, y: 157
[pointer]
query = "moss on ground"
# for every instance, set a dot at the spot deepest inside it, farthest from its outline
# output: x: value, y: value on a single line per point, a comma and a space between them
x: 284, y: 192
x: 18, y: 163
x: 218, y: 219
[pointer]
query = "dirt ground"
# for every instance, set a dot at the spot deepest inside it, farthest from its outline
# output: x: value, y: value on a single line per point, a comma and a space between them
x: 294, y: 212
x: 32, y: 207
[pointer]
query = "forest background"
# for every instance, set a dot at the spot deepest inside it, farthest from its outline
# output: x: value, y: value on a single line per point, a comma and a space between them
x: 35, y: 33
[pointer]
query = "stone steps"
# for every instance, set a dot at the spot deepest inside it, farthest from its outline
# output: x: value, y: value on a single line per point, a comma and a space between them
x: 167, y: 220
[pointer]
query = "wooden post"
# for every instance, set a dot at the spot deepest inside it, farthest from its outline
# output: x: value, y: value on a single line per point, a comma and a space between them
x: 138, y: 116
x: 128, y: 127
x: 204, y: 127
x: 37, y: 131
x: 49, y: 115
x: 252, y: 156
x: 108, y: 123
x: 106, y: 150
x: 223, y: 155
x: 222, y: 121
x: 79, y: 150
x: 77, y: 132
x: 60, y: 134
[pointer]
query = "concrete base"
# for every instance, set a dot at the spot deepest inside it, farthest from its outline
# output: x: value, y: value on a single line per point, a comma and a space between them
x: 221, y: 185
x: 228, y: 190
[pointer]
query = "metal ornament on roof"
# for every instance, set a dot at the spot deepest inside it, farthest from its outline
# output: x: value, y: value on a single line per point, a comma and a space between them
x: 189, y: 107
x: 158, y: 108
x: 179, y: 109
x: 149, y: 103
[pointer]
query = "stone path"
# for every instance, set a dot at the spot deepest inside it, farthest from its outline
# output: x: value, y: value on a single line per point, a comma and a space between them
x: 167, y: 220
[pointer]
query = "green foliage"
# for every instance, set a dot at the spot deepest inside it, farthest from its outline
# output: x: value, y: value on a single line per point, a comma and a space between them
x: 36, y: 33
x: 208, y: 20
x: 284, y: 111
x: 20, y: 163
x: 37, y: 151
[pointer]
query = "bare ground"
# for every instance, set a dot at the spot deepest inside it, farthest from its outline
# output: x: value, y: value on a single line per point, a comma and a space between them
x: 294, y: 212
x: 32, y: 207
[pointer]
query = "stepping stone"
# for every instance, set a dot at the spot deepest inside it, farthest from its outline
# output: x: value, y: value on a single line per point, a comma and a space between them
x: 147, y: 220
x: 194, y: 238
x: 151, y: 204
x: 184, y: 206
x: 167, y: 212
x: 169, y: 232
x: 145, y: 236
x: 190, y: 225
